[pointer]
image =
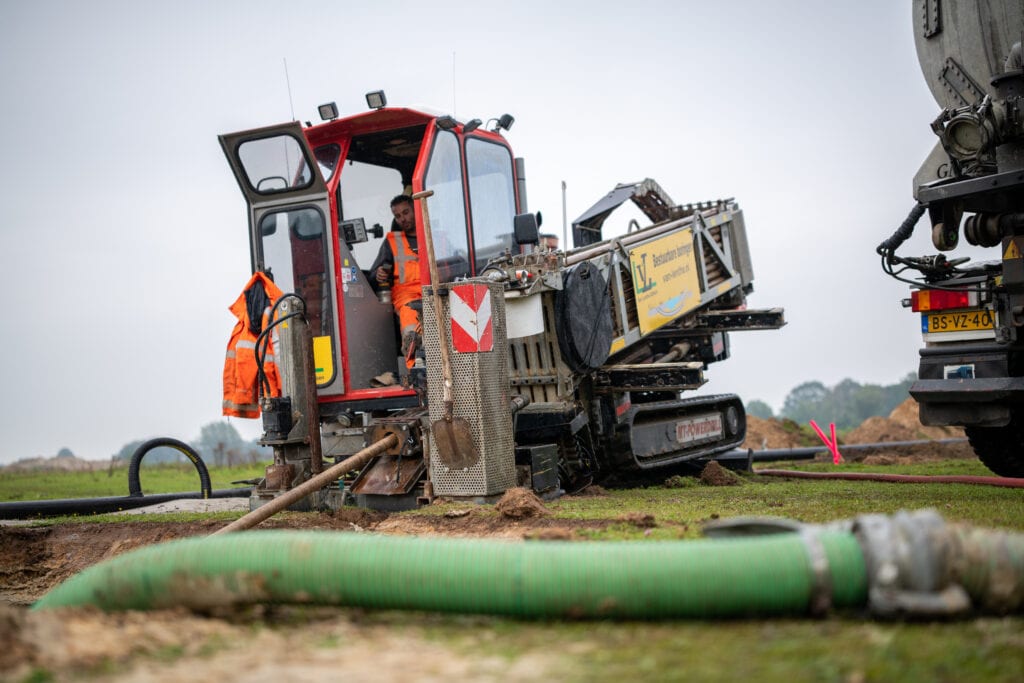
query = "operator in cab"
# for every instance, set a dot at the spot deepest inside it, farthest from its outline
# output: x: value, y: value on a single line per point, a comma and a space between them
x: 397, y: 266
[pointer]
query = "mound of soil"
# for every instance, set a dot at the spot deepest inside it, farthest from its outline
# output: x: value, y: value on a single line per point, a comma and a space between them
x: 519, y: 503
x: 902, y: 424
x: 879, y: 429
x: 908, y: 414
x: 714, y: 474
x: 769, y: 434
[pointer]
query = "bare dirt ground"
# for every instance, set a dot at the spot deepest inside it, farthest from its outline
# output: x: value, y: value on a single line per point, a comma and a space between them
x: 63, y: 643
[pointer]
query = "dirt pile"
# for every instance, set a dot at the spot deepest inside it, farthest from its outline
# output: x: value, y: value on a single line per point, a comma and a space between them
x: 879, y: 429
x: 764, y: 434
x: 908, y: 414
x: 902, y: 424
x: 714, y: 474
x: 519, y: 503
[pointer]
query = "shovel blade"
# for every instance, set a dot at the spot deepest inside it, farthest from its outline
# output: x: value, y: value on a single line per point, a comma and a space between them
x: 454, y: 441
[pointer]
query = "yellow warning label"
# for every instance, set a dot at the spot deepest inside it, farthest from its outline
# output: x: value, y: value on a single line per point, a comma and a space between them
x: 323, y: 360
x: 1012, y: 250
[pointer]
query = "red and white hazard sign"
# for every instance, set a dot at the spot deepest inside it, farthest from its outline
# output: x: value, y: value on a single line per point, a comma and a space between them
x: 472, y: 331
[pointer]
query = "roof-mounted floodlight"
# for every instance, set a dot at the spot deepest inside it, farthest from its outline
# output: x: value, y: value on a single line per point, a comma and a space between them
x: 376, y: 99
x: 328, y: 112
x: 446, y: 122
x: 471, y: 126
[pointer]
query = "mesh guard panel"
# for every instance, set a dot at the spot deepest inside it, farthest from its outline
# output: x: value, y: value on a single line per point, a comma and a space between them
x: 480, y: 387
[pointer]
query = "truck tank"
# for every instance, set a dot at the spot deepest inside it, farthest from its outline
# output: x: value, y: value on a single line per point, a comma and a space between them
x: 971, y: 370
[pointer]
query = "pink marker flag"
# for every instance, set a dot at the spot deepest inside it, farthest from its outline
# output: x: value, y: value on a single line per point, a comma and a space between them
x: 833, y: 444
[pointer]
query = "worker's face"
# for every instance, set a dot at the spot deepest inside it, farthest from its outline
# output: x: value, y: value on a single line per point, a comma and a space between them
x: 405, y: 217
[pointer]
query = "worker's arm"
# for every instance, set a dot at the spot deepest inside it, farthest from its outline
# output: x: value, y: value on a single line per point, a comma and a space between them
x: 384, y: 264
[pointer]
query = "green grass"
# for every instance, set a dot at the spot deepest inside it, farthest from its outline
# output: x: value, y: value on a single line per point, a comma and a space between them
x: 678, y: 510
x: 15, y: 486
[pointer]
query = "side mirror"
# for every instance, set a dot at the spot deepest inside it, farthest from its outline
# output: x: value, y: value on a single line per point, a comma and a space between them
x: 526, y: 228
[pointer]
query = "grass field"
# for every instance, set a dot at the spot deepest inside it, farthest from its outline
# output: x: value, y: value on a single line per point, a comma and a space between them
x: 678, y: 508
x: 43, y: 485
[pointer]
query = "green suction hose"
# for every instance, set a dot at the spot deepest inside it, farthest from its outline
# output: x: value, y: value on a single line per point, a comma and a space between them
x: 768, y: 575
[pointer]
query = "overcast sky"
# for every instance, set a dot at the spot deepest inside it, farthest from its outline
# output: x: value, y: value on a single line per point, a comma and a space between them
x: 124, y: 233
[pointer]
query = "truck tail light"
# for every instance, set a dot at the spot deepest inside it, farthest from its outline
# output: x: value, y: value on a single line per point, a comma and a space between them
x: 939, y: 300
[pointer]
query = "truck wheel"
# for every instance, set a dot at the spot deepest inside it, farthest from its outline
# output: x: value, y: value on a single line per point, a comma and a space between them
x: 1001, y: 449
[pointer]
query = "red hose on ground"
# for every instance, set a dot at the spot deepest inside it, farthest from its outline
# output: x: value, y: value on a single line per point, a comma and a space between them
x: 898, y: 478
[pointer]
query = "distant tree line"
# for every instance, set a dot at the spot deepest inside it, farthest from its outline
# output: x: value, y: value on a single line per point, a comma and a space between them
x: 847, y: 404
x: 219, y: 444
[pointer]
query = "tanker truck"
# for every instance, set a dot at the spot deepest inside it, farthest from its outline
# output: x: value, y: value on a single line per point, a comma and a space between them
x: 971, y: 371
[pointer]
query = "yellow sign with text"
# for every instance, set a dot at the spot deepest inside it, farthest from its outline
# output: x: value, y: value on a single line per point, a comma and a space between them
x: 323, y: 360
x: 664, y: 279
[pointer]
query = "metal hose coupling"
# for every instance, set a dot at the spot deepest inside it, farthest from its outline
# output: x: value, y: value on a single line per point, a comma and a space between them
x: 908, y: 557
x: 917, y: 565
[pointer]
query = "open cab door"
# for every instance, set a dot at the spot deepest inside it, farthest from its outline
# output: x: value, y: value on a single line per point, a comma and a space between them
x: 293, y: 237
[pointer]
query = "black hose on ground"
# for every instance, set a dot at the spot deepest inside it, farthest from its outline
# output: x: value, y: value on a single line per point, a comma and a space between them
x: 28, y: 509
x: 135, y: 486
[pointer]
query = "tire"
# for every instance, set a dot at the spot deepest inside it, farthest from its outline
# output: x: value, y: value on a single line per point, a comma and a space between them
x: 1001, y: 449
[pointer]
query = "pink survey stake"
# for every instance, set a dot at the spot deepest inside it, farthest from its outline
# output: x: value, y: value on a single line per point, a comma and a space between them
x: 833, y: 444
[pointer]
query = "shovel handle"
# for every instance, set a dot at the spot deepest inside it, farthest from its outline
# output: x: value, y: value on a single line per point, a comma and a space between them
x: 446, y: 362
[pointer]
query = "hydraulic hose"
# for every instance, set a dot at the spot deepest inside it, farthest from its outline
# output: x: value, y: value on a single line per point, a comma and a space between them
x: 1007, y: 482
x: 135, y: 486
x: 28, y: 509
x: 768, y: 575
x: 903, y: 233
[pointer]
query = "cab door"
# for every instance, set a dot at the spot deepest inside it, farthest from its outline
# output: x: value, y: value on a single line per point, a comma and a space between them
x: 289, y: 231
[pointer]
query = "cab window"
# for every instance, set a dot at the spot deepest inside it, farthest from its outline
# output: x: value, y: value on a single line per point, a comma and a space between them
x: 493, y: 199
x: 293, y: 249
x: 447, y: 207
x: 274, y: 164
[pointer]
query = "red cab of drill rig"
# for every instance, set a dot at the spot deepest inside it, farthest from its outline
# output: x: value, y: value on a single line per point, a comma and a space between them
x: 319, y: 208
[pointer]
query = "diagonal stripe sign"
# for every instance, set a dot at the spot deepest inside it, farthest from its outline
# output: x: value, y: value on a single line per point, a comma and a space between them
x: 472, y: 331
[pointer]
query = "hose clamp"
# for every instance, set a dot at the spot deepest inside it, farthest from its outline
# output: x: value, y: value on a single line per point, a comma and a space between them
x: 907, y: 556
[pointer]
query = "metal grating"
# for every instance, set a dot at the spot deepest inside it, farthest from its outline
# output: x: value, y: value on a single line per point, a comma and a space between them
x: 481, y: 397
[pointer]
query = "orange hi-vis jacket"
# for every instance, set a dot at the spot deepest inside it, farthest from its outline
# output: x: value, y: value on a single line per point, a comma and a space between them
x: 406, y: 285
x: 241, y: 393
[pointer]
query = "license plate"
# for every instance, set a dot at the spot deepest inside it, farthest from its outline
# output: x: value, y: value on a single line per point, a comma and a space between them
x: 964, y: 321
x: 699, y: 428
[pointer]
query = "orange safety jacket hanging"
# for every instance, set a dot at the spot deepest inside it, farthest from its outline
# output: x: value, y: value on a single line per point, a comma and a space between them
x: 407, y: 285
x: 241, y: 391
